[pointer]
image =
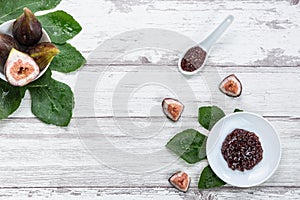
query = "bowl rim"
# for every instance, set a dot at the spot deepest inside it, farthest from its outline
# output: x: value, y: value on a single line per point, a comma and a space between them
x: 45, y: 38
x: 276, y: 135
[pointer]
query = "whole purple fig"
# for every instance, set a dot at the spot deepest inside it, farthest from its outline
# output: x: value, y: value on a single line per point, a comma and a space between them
x: 27, y: 29
x: 6, y: 44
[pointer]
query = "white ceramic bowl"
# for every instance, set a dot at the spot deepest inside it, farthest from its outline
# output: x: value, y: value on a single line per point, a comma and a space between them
x: 6, y: 28
x: 270, y: 143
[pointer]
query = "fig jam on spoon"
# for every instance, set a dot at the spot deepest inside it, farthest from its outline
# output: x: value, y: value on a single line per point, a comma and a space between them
x: 195, y: 57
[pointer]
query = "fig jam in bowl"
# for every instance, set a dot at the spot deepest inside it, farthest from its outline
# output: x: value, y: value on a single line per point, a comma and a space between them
x: 243, y: 149
x: 6, y: 28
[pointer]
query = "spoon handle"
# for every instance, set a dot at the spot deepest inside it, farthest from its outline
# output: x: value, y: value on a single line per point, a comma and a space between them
x: 216, y: 34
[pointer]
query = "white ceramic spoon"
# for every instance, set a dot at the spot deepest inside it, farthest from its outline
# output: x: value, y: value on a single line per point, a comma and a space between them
x: 207, y: 43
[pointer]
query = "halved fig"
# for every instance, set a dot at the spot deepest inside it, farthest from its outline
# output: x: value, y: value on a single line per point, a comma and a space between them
x: 180, y: 180
x: 20, y: 69
x: 172, y: 108
x: 231, y: 86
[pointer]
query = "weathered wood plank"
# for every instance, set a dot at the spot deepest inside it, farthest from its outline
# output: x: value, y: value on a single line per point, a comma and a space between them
x: 33, y: 154
x: 263, y: 33
x: 137, y: 91
x: 261, y: 47
x: 148, y: 193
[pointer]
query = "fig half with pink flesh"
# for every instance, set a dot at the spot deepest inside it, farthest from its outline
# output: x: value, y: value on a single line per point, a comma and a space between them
x: 180, y: 180
x: 172, y: 108
x: 20, y: 69
x: 231, y: 86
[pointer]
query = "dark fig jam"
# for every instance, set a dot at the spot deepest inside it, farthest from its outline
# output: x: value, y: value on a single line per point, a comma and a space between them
x: 242, y: 150
x: 193, y: 59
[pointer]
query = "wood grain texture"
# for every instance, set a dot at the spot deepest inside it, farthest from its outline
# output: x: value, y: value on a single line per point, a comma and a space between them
x: 268, y: 91
x: 48, y: 156
x: 261, y: 47
x: 148, y: 193
x: 263, y: 33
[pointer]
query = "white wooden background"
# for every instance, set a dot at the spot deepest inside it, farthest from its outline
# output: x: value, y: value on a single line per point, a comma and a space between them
x: 262, y: 47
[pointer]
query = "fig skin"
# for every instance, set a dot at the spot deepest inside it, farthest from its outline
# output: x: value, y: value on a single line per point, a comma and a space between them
x: 27, y: 30
x: 181, y: 181
x: 43, y: 53
x: 20, y: 69
x: 231, y: 86
x: 6, y: 44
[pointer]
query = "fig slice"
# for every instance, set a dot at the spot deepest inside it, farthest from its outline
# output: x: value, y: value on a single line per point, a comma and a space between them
x: 20, y: 69
x: 181, y: 181
x: 172, y: 108
x: 231, y: 86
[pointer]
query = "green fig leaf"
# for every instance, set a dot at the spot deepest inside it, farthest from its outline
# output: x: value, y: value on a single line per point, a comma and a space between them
x: 60, y: 26
x: 23, y: 91
x: 52, y: 104
x: 10, y: 99
x: 68, y: 59
x: 189, y: 145
x: 14, y: 8
x: 209, y: 116
x: 42, y: 81
x: 208, y: 179
x: 52, y: 101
